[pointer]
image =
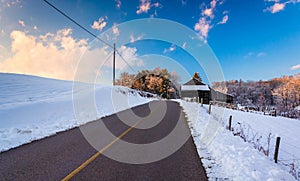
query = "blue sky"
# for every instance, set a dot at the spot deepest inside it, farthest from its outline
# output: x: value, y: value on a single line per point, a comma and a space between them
x: 251, y: 40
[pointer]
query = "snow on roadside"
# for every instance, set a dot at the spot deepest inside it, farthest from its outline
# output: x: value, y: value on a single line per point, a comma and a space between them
x: 32, y: 108
x: 225, y: 156
x: 286, y: 128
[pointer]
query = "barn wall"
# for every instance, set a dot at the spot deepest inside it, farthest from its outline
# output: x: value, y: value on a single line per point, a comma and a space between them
x: 205, y: 95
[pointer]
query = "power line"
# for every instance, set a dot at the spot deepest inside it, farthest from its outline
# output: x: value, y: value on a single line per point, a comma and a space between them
x: 107, y: 58
x: 125, y: 60
x: 71, y: 19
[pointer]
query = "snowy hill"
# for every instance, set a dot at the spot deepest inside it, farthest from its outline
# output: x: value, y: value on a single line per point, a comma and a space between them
x: 32, y: 107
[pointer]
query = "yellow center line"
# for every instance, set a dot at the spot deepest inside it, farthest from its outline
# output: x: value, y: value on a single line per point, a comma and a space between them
x: 87, y: 162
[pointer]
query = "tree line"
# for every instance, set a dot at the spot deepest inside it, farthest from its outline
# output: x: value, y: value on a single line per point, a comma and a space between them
x: 283, y: 94
x: 157, y: 81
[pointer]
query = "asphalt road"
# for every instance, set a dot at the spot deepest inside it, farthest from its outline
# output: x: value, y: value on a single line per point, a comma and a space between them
x: 56, y: 157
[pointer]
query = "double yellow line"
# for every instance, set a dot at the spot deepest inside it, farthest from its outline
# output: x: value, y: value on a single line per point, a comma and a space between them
x: 87, y: 162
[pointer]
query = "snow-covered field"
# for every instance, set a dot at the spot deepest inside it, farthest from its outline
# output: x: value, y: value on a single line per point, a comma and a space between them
x: 228, y: 157
x: 32, y: 108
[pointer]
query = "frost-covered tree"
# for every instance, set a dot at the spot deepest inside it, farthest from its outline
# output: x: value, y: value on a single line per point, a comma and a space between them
x: 158, y: 81
x: 281, y: 93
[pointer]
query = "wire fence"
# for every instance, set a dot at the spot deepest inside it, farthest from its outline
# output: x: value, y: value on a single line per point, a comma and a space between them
x: 264, y: 143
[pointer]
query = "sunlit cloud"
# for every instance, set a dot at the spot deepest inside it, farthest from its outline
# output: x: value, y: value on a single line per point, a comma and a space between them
x: 278, y: 5
x: 145, y: 6
x: 100, y: 24
x: 208, y: 12
x: 295, y: 67
x: 202, y: 26
x: 2, y: 51
x: 56, y: 55
x: 2, y: 32
x: 224, y: 20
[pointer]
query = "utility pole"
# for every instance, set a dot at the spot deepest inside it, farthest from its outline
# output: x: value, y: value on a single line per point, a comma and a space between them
x: 114, y: 65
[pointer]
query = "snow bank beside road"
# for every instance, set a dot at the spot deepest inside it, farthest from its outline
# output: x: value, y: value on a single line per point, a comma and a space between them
x: 226, y: 156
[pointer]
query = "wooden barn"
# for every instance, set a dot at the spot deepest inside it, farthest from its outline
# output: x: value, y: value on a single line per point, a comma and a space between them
x: 196, y: 90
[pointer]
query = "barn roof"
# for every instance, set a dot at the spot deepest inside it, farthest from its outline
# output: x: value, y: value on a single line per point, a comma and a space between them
x: 194, y: 81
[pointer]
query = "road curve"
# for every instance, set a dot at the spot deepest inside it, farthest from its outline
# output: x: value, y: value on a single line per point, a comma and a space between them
x: 55, y: 157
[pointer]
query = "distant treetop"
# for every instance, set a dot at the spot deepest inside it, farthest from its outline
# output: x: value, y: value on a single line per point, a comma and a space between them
x: 196, y: 76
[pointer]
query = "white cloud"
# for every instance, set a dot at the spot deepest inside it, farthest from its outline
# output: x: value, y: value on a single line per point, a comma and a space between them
x: 9, y: 3
x: 115, y: 30
x: 22, y: 23
x: 254, y: 54
x: 276, y: 1
x: 156, y: 4
x: 35, y: 27
x: 213, y: 3
x: 249, y: 54
x: 184, y: 45
x: 170, y: 49
x: 100, y: 24
x: 130, y: 55
x: 224, y: 20
x: 295, y: 67
x: 118, y: 4
x: 133, y: 39
x: 261, y: 54
x: 154, y: 14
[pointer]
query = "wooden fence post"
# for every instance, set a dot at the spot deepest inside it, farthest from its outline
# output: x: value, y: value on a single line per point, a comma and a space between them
x: 276, y: 149
x: 209, y: 108
x: 230, y: 120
